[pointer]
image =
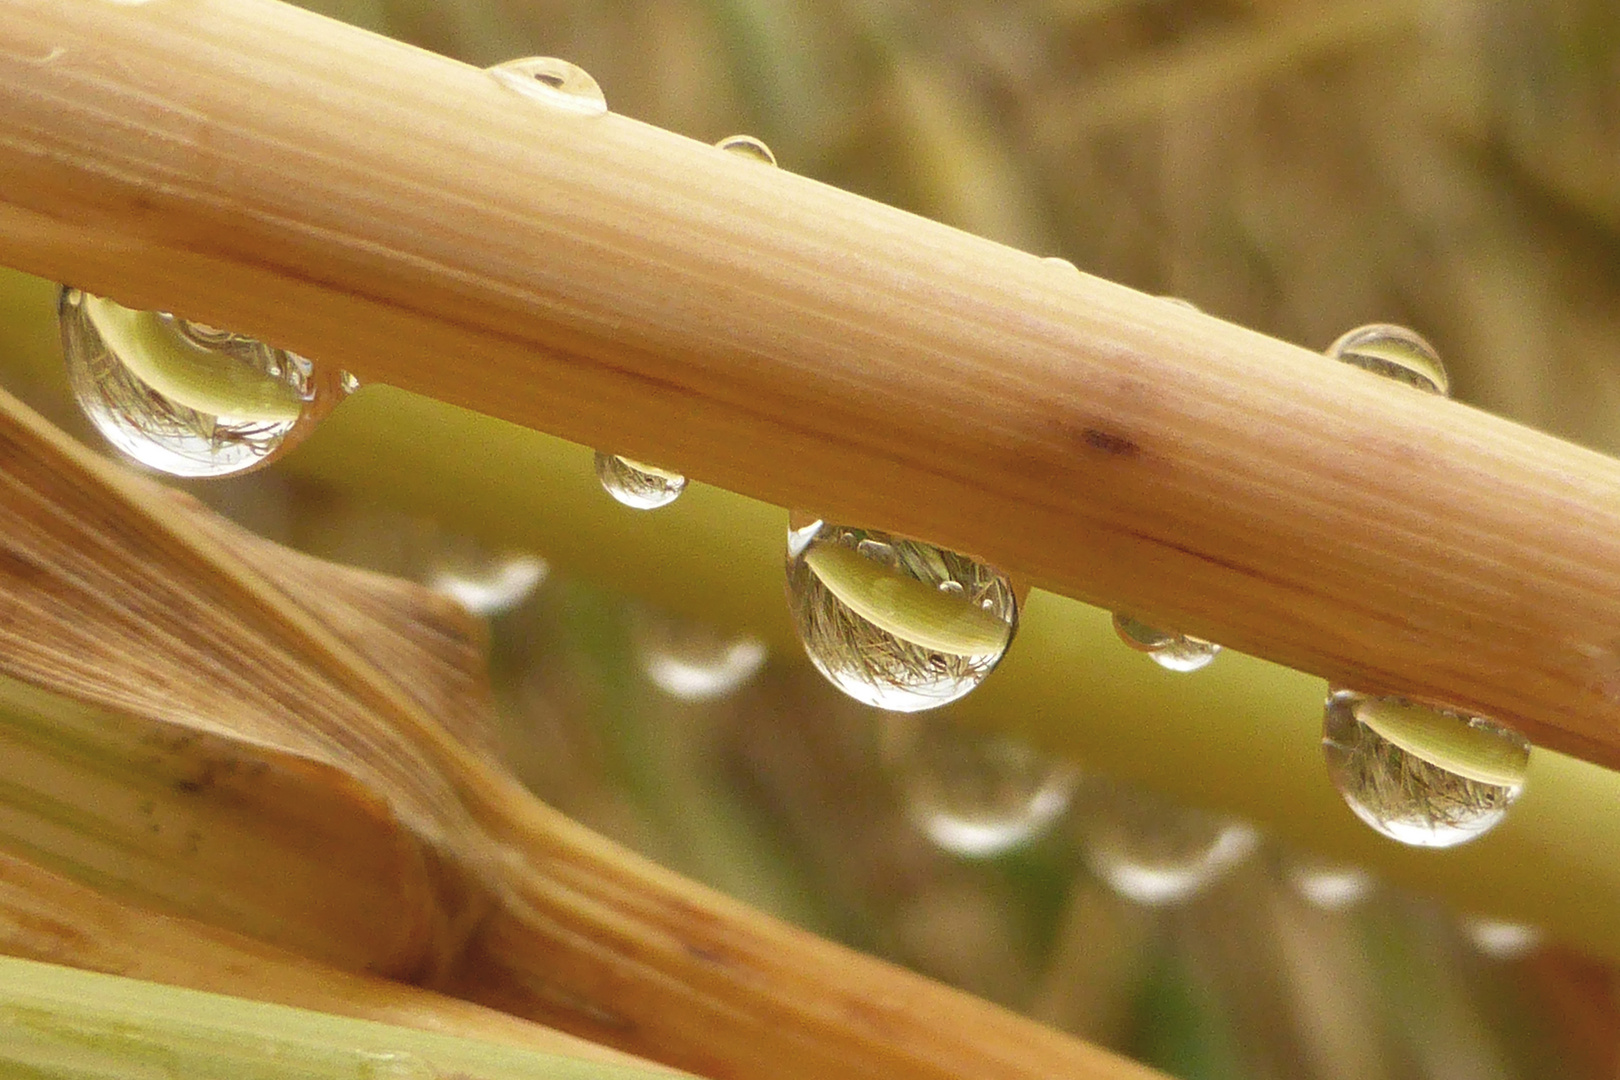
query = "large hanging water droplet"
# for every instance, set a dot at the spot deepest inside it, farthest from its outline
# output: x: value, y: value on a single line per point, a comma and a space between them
x: 894, y: 623
x: 1325, y: 884
x: 1154, y: 853
x: 1394, y: 352
x: 1423, y: 776
x: 691, y: 660
x: 555, y: 82
x: 974, y: 794
x: 749, y: 147
x: 1171, y: 651
x: 638, y: 486
x: 1500, y: 939
x: 184, y: 398
x: 489, y: 586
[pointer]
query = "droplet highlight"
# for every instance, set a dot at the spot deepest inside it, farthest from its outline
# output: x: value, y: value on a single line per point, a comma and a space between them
x: 693, y: 661
x: 1325, y: 884
x: 1422, y: 776
x: 185, y: 398
x: 749, y: 147
x: 1153, y: 853
x: 1171, y: 651
x: 875, y: 620
x: 637, y: 485
x: 553, y: 82
x: 1395, y: 353
x: 1500, y: 939
x: 490, y: 586
x: 395, y: 1066
x: 974, y: 794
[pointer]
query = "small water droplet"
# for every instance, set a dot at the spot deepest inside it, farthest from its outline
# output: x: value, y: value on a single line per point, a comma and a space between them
x: 638, y: 486
x: 488, y: 586
x: 1171, y: 651
x: 1325, y: 884
x: 395, y: 1066
x: 1500, y: 939
x: 185, y: 398
x: 1154, y: 853
x: 881, y: 629
x: 555, y: 82
x: 1058, y: 262
x: 749, y: 147
x: 348, y: 382
x: 691, y: 660
x: 1394, y: 352
x: 972, y: 793
x: 1422, y: 776
x: 1179, y: 302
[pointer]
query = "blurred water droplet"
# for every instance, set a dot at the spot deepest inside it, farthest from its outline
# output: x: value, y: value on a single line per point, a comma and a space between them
x: 872, y: 616
x: 693, y: 661
x: 974, y: 794
x: 185, y: 398
x: 348, y: 382
x: 1171, y: 651
x: 1422, y: 776
x: 638, y: 486
x: 1394, y: 352
x: 555, y: 82
x: 1325, y: 884
x: 1500, y: 939
x: 1154, y: 853
x: 489, y: 585
x: 395, y: 1066
x: 749, y: 147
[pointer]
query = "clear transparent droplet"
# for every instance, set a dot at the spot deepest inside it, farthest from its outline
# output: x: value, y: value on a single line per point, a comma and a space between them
x: 749, y: 147
x: 1423, y: 776
x: 555, y: 82
x: 870, y: 611
x: 1394, y: 352
x: 489, y: 585
x: 637, y: 485
x: 1171, y: 651
x: 348, y: 382
x: 1500, y: 939
x: 1155, y: 853
x: 1058, y: 262
x: 693, y: 661
x: 972, y: 793
x: 185, y: 398
x: 1180, y: 302
x: 1325, y: 884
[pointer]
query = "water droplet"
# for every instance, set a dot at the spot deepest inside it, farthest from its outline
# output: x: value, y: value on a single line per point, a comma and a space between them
x: 877, y: 624
x: 555, y: 82
x: 1394, y: 352
x: 489, y: 586
x: 749, y: 147
x: 1322, y: 883
x: 1423, y: 776
x: 691, y: 660
x: 1171, y: 651
x: 638, y: 486
x: 1154, y: 853
x: 1058, y: 262
x: 1179, y: 302
x: 348, y: 382
x: 1501, y: 940
x: 183, y: 397
x: 972, y: 793
x: 394, y: 1066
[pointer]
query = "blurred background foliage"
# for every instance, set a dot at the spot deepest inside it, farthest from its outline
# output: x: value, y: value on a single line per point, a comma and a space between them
x: 1298, y: 166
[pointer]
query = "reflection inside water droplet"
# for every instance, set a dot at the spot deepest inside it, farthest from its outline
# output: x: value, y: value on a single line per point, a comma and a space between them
x: 874, y: 620
x: 1500, y: 939
x: 972, y: 793
x: 637, y: 485
x: 749, y: 147
x: 555, y: 82
x: 1395, y: 353
x: 183, y: 397
x: 1423, y: 776
x: 691, y: 660
x: 1171, y: 651
x: 1152, y: 852
x: 489, y: 585
x: 1325, y: 884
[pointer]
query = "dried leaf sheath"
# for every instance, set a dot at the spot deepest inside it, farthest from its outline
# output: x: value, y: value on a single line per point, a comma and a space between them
x: 114, y: 595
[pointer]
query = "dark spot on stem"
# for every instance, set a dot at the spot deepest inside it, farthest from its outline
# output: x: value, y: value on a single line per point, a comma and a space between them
x: 1109, y: 443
